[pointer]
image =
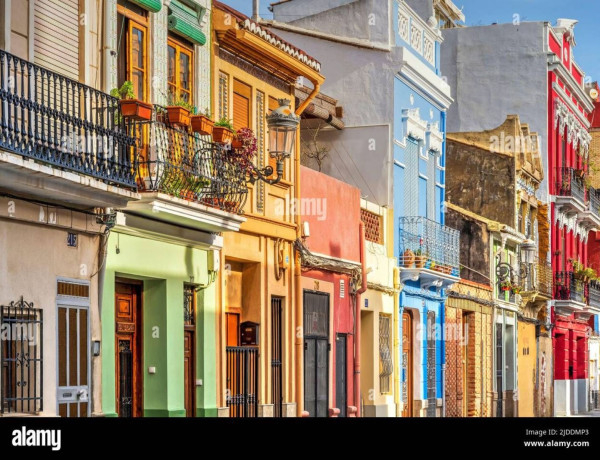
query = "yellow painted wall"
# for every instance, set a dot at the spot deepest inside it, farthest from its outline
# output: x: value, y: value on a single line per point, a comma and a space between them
x: 526, y: 367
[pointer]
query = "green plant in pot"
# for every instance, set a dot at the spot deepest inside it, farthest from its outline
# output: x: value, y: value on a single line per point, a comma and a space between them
x: 420, y: 258
x: 131, y: 108
x: 506, y: 285
x: 223, y: 131
x: 202, y: 123
x: 178, y: 111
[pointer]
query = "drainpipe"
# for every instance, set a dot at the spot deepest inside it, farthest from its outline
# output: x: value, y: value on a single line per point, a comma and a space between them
x: 396, y: 319
x: 299, y: 341
x: 361, y: 291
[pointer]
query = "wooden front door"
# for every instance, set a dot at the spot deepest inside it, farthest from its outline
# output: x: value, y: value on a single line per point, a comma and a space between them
x: 316, y: 353
x: 341, y: 384
x: 407, y: 371
x: 189, y: 373
x: 128, y: 359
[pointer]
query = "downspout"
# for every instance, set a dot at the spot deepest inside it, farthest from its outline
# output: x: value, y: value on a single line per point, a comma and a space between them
x: 362, y: 290
x: 299, y: 341
x: 396, y: 319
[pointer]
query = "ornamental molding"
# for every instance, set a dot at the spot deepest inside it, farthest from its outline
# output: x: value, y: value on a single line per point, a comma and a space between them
x: 577, y: 134
x: 569, y: 221
x: 414, y: 126
x: 435, y: 138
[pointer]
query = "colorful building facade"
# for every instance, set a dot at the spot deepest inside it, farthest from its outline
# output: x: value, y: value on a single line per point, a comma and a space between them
x: 332, y: 279
x: 260, y: 357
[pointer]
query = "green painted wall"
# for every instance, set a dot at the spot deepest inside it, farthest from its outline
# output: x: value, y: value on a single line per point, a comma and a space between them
x: 163, y: 268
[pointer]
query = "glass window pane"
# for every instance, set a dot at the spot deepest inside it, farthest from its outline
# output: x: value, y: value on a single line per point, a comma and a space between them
x: 137, y: 48
x: 171, y: 66
x: 137, y: 78
x: 185, y: 71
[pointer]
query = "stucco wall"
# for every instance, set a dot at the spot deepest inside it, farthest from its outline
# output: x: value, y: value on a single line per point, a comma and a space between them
x: 481, y: 182
x: 495, y: 71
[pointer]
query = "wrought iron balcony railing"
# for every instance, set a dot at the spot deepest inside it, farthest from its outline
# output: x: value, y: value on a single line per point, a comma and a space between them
x: 185, y: 165
x: 62, y: 122
x: 569, y: 182
x: 594, y: 294
x: 425, y: 243
x: 594, y: 201
x: 536, y: 277
x: 568, y: 287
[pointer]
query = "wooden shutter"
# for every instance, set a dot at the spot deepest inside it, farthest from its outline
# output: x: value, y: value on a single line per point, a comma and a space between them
x: 56, y: 36
x: 241, y: 105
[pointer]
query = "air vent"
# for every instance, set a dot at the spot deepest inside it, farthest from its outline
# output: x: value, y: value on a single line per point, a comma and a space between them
x: 342, y: 289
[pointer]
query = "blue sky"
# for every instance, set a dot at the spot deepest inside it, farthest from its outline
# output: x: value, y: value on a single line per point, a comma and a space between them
x: 482, y: 12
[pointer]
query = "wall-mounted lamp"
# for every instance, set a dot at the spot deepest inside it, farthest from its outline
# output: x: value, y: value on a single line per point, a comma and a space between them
x: 96, y: 348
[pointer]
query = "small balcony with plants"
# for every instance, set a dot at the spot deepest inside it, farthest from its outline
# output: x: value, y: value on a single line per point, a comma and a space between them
x: 570, y: 190
x: 60, y: 140
x: 535, y: 279
x: 569, y: 292
x: 429, y: 253
x: 183, y: 176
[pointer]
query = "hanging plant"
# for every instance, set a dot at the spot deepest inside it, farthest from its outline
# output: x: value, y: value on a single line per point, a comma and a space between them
x: 246, y: 150
x: 506, y: 285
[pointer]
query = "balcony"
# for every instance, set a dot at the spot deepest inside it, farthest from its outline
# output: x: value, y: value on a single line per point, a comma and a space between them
x: 590, y: 217
x: 60, y: 140
x: 185, y: 179
x: 570, y: 191
x: 569, y: 293
x: 537, y: 280
x: 593, y: 297
x: 429, y: 253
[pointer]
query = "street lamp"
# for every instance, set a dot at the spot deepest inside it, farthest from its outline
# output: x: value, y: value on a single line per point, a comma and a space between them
x: 283, y: 125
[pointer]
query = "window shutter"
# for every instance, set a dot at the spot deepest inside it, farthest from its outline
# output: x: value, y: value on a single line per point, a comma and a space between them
x: 241, y: 110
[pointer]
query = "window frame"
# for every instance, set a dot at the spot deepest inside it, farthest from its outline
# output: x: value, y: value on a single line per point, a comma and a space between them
x: 181, y: 48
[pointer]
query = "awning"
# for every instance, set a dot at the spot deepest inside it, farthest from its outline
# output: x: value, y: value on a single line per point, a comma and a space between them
x: 185, y: 21
x: 150, y: 5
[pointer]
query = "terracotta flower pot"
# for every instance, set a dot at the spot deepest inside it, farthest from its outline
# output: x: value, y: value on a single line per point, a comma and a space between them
x: 134, y: 109
x: 222, y: 135
x: 202, y: 125
x: 235, y: 144
x: 408, y: 258
x: 420, y: 261
x: 178, y: 115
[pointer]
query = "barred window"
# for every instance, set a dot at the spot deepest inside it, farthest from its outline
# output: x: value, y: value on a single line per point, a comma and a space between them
x: 386, y: 365
x: 373, y: 226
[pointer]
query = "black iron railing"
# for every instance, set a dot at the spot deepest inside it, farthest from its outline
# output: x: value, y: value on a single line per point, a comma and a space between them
x: 424, y: 241
x: 62, y: 122
x: 568, y: 287
x: 594, y: 201
x: 569, y: 182
x: 242, y: 381
x: 21, y: 358
x: 186, y: 165
x: 594, y: 294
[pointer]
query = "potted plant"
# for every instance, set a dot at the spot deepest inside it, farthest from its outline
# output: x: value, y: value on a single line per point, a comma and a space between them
x: 420, y: 259
x: 223, y: 131
x: 516, y: 289
x: 131, y: 107
x: 246, y: 148
x: 506, y: 285
x: 178, y: 112
x: 202, y: 123
x: 408, y: 258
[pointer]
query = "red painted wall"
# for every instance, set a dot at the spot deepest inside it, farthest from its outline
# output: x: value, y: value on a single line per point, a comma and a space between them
x: 332, y: 209
x: 336, y: 233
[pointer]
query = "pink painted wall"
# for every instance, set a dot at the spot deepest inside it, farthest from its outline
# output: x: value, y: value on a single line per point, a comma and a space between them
x: 332, y: 209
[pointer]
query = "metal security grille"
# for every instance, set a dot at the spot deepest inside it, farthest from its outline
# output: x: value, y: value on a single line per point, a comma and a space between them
x: 431, y: 366
x: 189, y: 305
x: 21, y: 369
x: 242, y: 381
x: 125, y: 379
x: 277, y: 356
x: 373, y: 226
x: 386, y: 365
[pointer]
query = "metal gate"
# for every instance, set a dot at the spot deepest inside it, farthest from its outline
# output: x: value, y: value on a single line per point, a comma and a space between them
x: 125, y: 379
x: 341, y: 387
x: 316, y: 353
x: 276, y: 356
x: 21, y: 353
x: 431, y: 366
x: 242, y: 381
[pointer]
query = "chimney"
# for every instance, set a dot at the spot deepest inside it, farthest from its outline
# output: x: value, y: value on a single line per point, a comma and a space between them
x: 255, y: 10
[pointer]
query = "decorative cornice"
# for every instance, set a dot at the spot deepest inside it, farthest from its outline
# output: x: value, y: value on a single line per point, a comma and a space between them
x: 253, y: 70
x: 577, y: 134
